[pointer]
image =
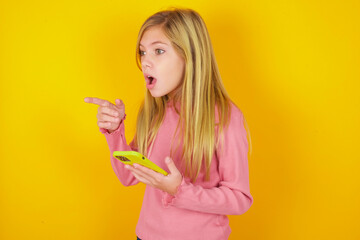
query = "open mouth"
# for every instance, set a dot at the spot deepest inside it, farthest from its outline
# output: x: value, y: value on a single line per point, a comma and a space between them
x: 151, y: 79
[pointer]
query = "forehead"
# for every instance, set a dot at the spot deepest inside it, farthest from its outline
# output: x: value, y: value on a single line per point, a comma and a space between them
x: 152, y: 36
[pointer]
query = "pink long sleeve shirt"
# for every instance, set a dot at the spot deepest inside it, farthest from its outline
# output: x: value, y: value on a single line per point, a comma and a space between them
x: 198, y: 210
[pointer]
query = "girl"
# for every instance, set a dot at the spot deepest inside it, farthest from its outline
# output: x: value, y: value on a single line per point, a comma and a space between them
x: 188, y: 125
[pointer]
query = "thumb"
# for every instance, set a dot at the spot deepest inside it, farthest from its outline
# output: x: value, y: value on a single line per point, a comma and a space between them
x: 171, y: 165
x: 118, y: 102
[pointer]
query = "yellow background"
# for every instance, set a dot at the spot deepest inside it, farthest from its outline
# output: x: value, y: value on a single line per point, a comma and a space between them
x: 291, y: 66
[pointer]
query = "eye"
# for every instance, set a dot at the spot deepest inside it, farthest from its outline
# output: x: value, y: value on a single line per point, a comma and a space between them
x: 142, y: 53
x: 159, y: 51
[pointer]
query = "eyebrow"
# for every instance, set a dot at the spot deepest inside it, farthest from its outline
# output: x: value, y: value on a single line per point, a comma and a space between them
x: 156, y: 42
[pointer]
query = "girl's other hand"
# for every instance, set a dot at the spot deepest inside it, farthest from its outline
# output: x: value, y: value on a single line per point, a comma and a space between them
x: 109, y: 115
x: 169, y: 183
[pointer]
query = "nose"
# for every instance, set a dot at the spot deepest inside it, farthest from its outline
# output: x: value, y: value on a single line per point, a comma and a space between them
x: 146, y: 62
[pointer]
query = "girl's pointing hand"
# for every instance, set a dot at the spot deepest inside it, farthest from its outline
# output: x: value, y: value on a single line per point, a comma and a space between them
x: 169, y: 183
x: 109, y: 115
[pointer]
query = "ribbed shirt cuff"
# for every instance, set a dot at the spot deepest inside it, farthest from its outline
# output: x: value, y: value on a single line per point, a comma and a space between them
x: 168, y: 199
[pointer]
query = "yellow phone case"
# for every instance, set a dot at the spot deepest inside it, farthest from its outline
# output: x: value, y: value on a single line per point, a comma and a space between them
x: 131, y: 157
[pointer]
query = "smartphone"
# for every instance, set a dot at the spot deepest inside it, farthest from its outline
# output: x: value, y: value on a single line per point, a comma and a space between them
x: 131, y: 157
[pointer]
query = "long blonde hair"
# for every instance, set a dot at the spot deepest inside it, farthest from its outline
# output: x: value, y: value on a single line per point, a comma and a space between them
x: 201, y: 92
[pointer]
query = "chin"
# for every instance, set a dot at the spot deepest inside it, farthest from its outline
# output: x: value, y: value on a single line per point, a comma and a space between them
x: 156, y: 94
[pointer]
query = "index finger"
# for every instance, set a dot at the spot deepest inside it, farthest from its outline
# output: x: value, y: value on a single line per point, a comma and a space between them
x: 97, y: 101
x: 145, y: 170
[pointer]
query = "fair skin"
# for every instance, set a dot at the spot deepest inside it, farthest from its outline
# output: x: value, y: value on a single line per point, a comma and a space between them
x: 166, y: 68
x: 160, y: 60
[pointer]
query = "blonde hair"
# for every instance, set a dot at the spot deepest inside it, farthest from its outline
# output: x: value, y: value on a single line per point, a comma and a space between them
x: 201, y: 92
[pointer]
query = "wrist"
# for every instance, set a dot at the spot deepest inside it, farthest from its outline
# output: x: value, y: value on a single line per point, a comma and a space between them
x: 175, y: 190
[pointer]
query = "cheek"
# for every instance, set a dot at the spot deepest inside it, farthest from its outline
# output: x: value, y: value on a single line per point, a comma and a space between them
x: 177, y: 70
x: 170, y: 72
